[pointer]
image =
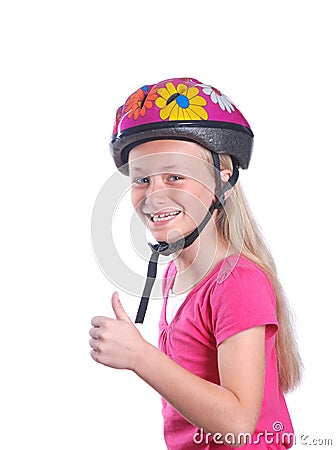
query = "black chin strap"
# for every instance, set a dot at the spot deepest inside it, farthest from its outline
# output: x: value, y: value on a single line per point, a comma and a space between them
x: 165, y: 248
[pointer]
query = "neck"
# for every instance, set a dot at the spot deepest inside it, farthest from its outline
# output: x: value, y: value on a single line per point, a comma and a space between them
x: 196, y: 261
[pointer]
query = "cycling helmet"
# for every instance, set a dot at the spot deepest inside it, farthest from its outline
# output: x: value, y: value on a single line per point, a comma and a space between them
x: 182, y: 109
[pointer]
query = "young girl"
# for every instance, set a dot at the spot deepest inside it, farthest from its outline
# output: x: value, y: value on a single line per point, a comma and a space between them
x: 226, y: 352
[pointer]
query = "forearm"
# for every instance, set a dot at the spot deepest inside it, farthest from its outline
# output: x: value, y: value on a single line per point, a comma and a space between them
x: 206, y: 405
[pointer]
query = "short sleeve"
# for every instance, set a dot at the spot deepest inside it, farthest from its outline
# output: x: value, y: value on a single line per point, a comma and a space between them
x: 245, y: 299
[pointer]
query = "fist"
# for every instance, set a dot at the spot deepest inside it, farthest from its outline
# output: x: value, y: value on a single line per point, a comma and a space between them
x: 116, y: 342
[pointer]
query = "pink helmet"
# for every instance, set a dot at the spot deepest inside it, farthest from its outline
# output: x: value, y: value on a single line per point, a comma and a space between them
x: 181, y: 109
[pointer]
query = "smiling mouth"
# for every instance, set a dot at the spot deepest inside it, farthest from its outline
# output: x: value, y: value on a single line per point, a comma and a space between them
x: 164, y: 217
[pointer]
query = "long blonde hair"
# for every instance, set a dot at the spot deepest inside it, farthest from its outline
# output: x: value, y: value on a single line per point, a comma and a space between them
x: 236, y: 224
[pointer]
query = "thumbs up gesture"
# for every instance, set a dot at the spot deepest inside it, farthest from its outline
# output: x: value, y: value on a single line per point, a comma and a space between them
x: 116, y: 342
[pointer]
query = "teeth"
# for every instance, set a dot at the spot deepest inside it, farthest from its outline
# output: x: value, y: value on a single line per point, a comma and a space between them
x: 163, y: 217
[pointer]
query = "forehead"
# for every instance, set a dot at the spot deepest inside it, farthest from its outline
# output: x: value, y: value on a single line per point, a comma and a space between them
x: 167, y: 155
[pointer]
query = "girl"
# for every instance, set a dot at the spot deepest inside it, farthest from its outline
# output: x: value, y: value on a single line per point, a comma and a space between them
x: 226, y: 352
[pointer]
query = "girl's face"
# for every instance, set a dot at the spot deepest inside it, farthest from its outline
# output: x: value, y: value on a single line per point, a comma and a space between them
x: 172, y: 187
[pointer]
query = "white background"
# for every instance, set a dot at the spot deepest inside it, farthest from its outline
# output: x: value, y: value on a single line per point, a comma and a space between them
x: 65, y: 67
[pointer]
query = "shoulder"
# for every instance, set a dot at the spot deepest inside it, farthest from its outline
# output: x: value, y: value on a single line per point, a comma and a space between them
x: 240, y: 275
x: 242, y: 297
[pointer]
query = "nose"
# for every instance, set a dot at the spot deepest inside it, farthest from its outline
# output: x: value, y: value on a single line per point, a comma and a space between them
x: 156, y: 191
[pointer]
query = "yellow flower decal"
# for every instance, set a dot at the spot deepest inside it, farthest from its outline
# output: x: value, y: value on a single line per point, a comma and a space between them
x: 181, y: 103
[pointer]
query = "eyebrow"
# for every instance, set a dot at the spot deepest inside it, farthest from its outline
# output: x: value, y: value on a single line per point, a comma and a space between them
x: 162, y: 169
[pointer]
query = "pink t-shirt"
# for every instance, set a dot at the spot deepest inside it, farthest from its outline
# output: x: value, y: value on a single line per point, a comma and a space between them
x: 235, y: 296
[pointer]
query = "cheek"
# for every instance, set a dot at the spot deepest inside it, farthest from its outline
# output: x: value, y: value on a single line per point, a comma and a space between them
x: 136, y: 198
x: 200, y: 195
x: 196, y: 201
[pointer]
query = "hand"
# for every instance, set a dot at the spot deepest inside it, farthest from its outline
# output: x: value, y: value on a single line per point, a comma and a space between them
x: 116, y: 342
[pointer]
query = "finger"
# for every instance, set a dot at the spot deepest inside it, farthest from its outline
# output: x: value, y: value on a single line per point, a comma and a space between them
x: 94, y: 355
x: 94, y: 344
x: 99, y: 321
x: 118, y: 309
x: 94, y: 332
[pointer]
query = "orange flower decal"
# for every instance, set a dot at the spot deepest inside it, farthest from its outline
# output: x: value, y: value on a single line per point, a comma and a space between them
x: 138, y: 103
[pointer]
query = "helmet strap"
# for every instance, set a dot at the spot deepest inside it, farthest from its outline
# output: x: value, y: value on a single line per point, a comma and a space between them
x: 165, y: 248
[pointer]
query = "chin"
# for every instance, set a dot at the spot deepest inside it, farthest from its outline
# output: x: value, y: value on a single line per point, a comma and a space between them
x: 170, y: 237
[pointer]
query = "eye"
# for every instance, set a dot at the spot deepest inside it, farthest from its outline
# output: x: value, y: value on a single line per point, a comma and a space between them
x: 175, y: 178
x: 142, y: 180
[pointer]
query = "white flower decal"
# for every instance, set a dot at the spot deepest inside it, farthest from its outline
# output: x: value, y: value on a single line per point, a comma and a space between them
x: 218, y: 97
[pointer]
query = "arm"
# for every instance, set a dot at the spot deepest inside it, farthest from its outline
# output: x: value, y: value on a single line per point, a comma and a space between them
x: 232, y: 407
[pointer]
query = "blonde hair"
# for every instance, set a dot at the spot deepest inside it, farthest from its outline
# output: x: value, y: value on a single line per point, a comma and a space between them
x: 236, y: 224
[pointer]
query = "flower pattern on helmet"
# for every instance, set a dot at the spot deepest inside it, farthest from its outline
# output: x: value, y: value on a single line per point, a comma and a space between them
x: 181, y: 103
x: 138, y: 103
x: 218, y: 97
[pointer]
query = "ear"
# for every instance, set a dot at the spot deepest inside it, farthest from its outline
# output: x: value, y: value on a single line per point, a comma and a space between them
x: 225, y: 175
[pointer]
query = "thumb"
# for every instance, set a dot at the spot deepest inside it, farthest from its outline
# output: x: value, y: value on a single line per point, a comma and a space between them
x: 118, y: 309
